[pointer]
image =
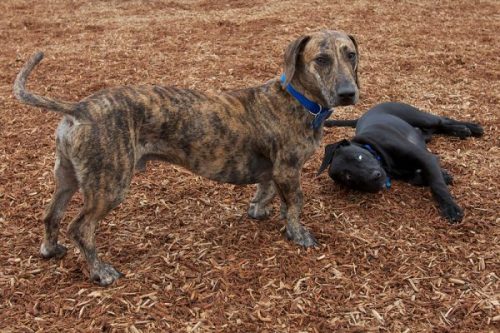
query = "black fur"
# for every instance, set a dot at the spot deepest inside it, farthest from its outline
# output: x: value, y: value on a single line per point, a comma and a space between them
x: 390, y: 141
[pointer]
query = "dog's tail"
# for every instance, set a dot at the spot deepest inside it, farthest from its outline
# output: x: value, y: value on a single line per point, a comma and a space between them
x: 341, y: 123
x: 29, y: 98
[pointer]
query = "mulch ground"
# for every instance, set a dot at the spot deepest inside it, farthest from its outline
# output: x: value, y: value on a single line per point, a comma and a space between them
x: 194, y: 262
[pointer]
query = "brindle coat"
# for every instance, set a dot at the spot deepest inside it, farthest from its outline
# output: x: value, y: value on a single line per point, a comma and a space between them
x: 257, y: 135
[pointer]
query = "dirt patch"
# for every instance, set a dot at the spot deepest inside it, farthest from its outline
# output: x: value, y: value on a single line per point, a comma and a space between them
x: 193, y: 260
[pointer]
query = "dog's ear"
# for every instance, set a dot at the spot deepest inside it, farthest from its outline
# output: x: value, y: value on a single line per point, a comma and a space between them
x: 329, y: 151
x: 292, y: 54
x: 343, y: 143
x: 351, y: 37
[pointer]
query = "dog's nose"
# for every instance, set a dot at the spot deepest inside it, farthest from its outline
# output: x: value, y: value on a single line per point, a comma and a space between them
x: 376, y: 175
x: 346, y: 92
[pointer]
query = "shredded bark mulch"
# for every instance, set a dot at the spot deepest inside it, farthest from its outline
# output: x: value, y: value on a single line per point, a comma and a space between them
x: 194, y: 262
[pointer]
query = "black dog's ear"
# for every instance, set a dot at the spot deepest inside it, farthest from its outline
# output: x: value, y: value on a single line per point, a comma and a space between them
x: 329, y: 151
x: 292, y: 53
x: 343, y: 142
x: 351, y: 37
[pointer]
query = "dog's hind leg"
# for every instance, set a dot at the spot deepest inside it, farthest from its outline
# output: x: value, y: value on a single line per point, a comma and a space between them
x: 429, y: 123
x: 66, y: 186
x: 432, y: 124
x: 461, y: 129
x: 97, y: 204
x: 82, y: 231
x: 259, y: 207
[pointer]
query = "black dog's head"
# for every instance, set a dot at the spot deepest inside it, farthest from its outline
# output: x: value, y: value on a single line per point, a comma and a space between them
x: 353, y: 166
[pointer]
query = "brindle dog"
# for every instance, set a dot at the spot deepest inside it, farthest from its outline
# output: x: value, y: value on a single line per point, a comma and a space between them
x: 257, y: 135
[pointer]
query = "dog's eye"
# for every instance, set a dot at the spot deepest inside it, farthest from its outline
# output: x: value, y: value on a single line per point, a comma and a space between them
x: 322, y: 60
x: 351, y: 56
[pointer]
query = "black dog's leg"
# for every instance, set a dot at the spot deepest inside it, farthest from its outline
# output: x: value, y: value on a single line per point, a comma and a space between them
x: 447, y: 176
x: 340, y: 123
x: 429, y: 123
x: 459, y: 129
x: 419, y: 180
x: 437, y: 182
x: 413, y: 116
x: 433, y: 175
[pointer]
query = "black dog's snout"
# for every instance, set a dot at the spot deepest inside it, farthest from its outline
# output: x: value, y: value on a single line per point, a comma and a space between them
x: 376, y: 175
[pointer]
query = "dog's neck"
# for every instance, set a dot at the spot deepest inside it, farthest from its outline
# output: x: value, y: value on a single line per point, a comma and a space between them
x: 301, y: 88
x: 378, y: 157
x: 321, y: 113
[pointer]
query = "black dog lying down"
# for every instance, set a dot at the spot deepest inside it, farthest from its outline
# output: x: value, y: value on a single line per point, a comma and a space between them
x: 390, y: 142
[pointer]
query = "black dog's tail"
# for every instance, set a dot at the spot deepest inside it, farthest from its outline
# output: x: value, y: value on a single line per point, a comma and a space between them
x: 27, y: 97
x: 341, y: 123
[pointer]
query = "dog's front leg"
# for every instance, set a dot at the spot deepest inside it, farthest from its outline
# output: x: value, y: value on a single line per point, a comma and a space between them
x: 449, y: 209
x: 259, y: 207
x: 435, y: 177
x: 287, y: 180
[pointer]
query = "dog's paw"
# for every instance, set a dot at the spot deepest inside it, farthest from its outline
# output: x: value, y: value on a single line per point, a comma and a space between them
x: 104, y: 274
x: 453, y: 213
x: 448, y: 177
x: 302, y: 237
x: 475, y: 129
x: 257, y: 212
x: 57, y: 252
x: 460, y: 131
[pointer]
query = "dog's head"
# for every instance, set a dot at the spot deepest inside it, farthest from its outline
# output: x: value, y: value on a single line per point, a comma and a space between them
x: 353, y: 166
x: 324, y: 67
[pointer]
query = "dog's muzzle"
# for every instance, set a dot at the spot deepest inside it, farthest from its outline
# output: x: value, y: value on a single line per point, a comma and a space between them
x: 346, y: 94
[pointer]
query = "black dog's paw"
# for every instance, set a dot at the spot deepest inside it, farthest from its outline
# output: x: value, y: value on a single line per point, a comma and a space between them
x: 453, y: 213
x: 448, y: 177
x: 301, y: 237
x: 475, y: 129
x: 460, y: 131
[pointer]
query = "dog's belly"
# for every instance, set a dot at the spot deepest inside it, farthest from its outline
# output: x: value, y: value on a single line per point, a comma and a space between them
x: 233, y: 167
x: 222, y: 163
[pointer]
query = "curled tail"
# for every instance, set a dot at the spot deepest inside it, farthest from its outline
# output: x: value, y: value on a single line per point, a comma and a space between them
x: 341, y: 123
x: 29, y: 98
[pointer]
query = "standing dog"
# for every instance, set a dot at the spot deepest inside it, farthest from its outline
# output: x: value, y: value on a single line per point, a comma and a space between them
x: 390, y: 141
x: 260, y: 135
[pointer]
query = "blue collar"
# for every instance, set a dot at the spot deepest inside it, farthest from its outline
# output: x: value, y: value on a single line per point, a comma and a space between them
x: 320, y: 113
x: 379, y: 158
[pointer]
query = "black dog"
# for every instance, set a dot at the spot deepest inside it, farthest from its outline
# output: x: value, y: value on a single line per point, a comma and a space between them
x: 390, y: 142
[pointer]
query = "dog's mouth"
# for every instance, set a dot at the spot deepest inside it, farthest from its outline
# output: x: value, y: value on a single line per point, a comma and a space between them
x: 370, y: 186
x: 374, y: 188
x: 345, y: 101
